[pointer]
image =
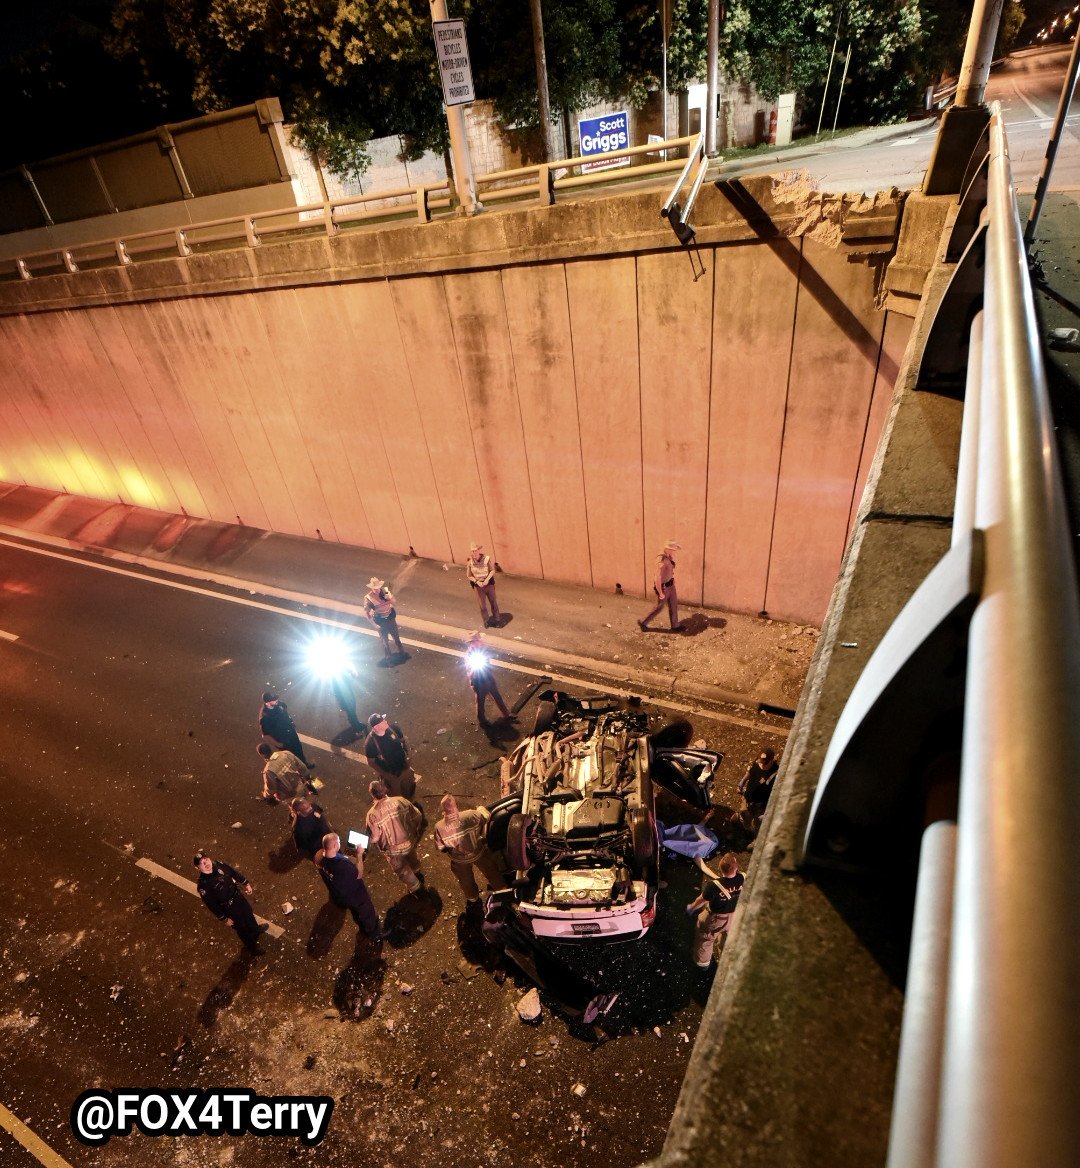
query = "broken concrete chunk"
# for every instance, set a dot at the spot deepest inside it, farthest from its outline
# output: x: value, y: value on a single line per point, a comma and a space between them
x: 578, y: 1089
x: 528, y: 1006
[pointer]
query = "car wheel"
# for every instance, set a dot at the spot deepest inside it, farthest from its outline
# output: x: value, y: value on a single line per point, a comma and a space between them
x: 545, y: 717
x: 517, y: 842
x: 501, y: 814
x: 643, y: 837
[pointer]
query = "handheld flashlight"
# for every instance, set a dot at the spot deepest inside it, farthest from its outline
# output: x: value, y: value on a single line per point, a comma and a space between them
x: 328, y: 657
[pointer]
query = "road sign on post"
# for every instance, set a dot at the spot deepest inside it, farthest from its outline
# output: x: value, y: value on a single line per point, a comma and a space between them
x: 454, y: 68
x: 599, y: 135
x: 452, y: 52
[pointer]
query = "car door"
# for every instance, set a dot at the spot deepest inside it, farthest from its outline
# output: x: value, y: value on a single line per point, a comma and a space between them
x: 687, y: 773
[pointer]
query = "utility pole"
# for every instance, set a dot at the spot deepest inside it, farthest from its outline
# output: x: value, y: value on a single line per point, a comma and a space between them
x: 963, y: 124
x: 543, y: 101
x: 712, y: 76
x: 464, y: 182
x: 978, y: 52
x: 665, y: 29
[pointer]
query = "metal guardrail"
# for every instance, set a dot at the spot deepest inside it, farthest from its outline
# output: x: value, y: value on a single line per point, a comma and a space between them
x: 990, y: 642
x: 540, y: 181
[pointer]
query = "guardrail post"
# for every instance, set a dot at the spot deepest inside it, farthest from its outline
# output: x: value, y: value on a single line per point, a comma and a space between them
x: 69, y: 263
x: 250, y: 232
x: 545, y: 186
x: 423, y: 212
x: 332, y: 227
x: 181, y: 243
x: 24, y: 271
x: 122, y: 253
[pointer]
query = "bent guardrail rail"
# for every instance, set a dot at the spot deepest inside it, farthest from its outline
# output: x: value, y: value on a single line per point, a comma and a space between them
x: 968, y: 713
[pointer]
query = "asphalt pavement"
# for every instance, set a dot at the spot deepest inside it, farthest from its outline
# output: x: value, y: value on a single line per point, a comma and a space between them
x: 134, y: 655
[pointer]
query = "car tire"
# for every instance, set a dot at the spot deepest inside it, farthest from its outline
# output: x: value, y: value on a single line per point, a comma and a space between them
x: 545, y: 717
x: 517, y: 842
x: 643, y: 838
x: 500, y: 815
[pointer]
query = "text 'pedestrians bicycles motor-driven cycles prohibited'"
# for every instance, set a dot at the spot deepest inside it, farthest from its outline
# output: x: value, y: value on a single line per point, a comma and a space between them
x: 453, y: 54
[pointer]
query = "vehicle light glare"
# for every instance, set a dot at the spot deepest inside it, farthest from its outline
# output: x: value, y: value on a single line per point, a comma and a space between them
x: 328, y: 657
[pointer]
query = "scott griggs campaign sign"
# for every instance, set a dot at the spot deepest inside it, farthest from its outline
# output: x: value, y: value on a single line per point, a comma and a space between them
x: 599, y: 135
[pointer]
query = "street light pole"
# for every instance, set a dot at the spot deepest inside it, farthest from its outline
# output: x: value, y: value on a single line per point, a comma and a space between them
x: 978, y: 52
x: 712, y: 76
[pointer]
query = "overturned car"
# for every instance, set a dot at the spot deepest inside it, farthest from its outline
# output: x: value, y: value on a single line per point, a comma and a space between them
x: 578, y: 825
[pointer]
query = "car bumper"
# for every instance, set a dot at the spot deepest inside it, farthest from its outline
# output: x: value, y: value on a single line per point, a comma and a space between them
x: 576, y: 925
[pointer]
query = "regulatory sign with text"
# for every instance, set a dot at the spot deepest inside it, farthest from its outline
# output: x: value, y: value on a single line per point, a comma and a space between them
x: 452, y: 51
x: 599, y: 135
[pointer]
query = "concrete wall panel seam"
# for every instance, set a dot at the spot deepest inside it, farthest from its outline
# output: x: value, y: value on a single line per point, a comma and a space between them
x: 438, y: 500
x: 580, y: 441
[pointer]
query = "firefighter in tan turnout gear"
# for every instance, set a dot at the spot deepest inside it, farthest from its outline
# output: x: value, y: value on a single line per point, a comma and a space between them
x: 462, y: 835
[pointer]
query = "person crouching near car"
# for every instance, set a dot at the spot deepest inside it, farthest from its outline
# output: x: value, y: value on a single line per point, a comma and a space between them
x: 720, y: 895
x: 462, y: 836
x: 394, y: 826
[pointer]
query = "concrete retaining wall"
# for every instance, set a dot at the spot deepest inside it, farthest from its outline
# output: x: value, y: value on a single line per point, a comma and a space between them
x: 571, y: 413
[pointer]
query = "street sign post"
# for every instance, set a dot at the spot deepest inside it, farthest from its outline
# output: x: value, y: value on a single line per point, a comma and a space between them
x: 452, y: 53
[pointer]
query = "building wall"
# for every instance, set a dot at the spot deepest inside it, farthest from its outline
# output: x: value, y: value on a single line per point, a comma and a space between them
x: 571, y: 414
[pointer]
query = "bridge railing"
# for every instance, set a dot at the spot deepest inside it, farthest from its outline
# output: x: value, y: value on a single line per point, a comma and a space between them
x: 986, y: 653
x: 540, y: 182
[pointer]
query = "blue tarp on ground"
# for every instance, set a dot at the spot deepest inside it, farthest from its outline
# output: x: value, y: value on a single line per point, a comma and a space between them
x: 688, y: 839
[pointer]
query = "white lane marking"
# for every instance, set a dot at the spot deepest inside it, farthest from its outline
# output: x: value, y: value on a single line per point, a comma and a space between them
x: 8, y: 636
x: 1040, y: 114
x: 499, y: 644
x: 307, y: 741
x: 171, y: 877
x: 34, y: 1144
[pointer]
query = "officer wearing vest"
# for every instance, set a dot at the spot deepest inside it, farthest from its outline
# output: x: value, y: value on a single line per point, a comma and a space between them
x: 462, y: 835
x: 222, y: 889
x: 481, y: 576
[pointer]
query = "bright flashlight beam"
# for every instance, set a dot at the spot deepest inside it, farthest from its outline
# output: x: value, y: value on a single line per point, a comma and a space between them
x: 328, y: 657
x: 474, y: 659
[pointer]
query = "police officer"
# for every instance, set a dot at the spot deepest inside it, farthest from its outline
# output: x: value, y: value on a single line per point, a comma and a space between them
x: 664, y: 587
x: 344, y: 881
x: 481, y: 575
x: 379, y: 609
x: 222, y: 890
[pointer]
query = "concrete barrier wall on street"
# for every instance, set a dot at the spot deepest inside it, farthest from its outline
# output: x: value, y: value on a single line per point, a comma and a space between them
x: 554, y: 384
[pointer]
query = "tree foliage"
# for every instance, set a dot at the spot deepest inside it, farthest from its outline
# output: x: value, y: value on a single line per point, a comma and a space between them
x: 349, y: 70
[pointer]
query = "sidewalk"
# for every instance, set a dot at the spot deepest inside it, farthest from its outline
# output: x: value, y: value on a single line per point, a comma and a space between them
x: 723, y: 659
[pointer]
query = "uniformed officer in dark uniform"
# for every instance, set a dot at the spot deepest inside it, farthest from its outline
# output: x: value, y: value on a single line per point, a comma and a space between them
x: 344, y: 881
x: 222, y: 890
